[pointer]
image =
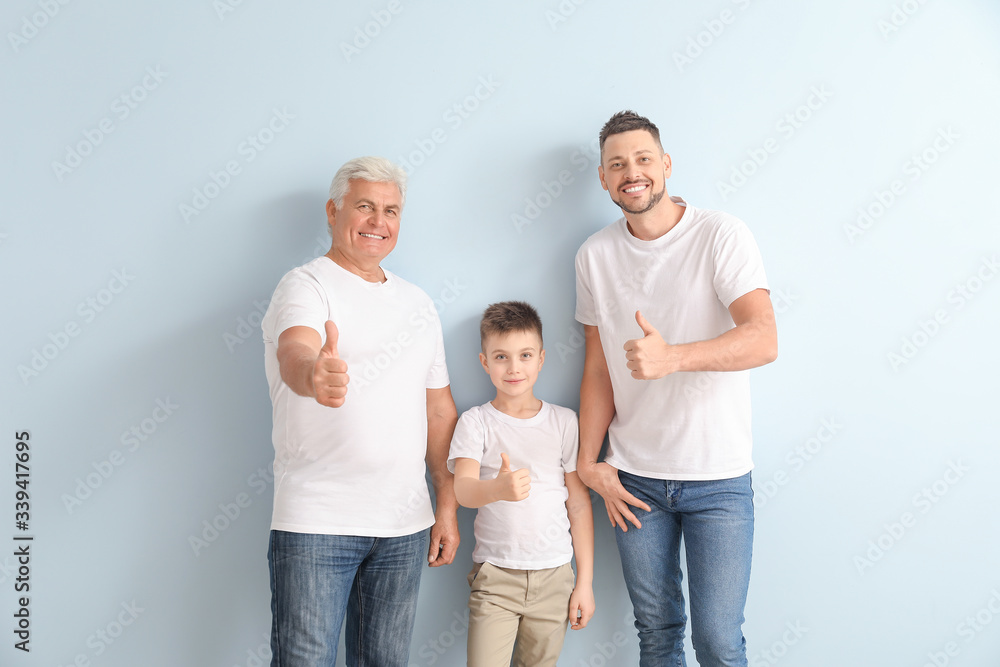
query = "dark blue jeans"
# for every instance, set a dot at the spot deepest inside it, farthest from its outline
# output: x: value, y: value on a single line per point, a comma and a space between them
x: 317, y: 579
x: 716, y: 520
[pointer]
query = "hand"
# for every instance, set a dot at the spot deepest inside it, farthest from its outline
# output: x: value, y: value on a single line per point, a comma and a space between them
x: 444, y: 538
x: 329, y: 376
x: 581, y: 607
x: 649, y: 357
x: 603, y: 478
x: 512, y: 485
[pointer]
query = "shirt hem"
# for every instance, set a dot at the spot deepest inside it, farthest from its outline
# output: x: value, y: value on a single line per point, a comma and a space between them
x: 522, y: 565
x: 682, y: 476
x: 352, y: 531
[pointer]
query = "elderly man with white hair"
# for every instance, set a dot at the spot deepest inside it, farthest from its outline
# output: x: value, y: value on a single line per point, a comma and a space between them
x: 355, y: 362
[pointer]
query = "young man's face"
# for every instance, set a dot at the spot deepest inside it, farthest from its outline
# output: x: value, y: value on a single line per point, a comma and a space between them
x: 634, y: 170
x: 513, y: 361
x: 366, y: 226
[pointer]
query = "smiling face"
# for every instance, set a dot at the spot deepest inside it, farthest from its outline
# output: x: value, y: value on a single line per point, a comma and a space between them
x: 513, y: 361
x: 634, y: 170
x: 365, y: 228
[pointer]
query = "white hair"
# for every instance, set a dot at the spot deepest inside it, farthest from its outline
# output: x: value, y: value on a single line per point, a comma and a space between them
x: 372, y: 169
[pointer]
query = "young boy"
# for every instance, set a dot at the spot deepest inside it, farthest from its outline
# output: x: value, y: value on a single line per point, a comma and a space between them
x: 515, y: 459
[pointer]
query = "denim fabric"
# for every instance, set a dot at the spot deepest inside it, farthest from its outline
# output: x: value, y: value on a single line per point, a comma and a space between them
x: 715, y: 519
x: 317, y: 579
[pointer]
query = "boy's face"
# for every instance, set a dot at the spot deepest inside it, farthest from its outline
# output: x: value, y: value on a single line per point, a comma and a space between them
x: 512, y: 361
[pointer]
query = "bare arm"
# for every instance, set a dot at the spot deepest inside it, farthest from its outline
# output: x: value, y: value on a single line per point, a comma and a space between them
x: 512, y: 485
x: 581, y: 527
x: 597, y: 407
x: 751, y: 343
x: 311, y: 369
x: 441, y: 419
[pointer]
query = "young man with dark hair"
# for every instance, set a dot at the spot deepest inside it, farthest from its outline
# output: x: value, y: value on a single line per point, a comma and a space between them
x: 676, y: 309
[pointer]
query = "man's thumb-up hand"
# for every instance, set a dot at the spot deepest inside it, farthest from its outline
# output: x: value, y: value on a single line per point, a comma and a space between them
x: 330, y: 346
x: 648, y: 357
x: 330, y: 371
x: 512, y: 485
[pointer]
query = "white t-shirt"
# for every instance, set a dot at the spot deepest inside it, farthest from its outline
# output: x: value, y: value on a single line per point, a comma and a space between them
x: 530, y: 534
x: 357, y: 469
x: 685, y: 426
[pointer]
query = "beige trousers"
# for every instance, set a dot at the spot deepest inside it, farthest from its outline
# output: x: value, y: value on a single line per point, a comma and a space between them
x: 530, y: 607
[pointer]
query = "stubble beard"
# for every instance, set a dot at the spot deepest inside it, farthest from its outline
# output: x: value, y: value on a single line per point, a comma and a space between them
x: 654, y: 199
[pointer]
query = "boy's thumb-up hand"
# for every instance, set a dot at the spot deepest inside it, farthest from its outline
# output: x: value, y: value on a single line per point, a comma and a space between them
x: 512, y: 485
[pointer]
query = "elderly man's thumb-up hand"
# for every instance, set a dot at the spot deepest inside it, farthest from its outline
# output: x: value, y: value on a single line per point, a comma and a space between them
x: 512, y: 485
x: 330, y: 371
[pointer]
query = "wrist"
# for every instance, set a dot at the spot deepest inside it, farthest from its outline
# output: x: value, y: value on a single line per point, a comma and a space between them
x: 494, y: 492
x: 679, y: 361
x: 585, y: 468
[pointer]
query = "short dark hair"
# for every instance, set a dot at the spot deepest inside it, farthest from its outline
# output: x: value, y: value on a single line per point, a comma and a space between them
x: 507, y: 317
x: 626, y: 121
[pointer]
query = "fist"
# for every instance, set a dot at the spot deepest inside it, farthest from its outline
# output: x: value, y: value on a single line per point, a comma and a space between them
x: 330, y: 372
x: 648, y: 357
x: 512, y: 485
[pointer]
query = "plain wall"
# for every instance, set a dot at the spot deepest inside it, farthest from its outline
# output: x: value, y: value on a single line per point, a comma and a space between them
x: 143, y: 233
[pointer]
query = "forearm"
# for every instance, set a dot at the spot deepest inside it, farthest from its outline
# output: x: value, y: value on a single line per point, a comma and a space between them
x: 581, y: 529
x: 296, y: 362
x: 475, y: 493
x: 597, y: 409
x: 746, y: 346
x: 440, y: 427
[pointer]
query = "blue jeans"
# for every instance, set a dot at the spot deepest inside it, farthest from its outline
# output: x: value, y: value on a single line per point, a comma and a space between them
x: 716, y: 520
x: 317, y: 579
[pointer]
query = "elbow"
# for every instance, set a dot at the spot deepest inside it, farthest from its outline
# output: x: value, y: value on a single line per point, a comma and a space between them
x: 771, y: 353
x: 767, y: 345
x: 444, y: 412
x: 463, y: 495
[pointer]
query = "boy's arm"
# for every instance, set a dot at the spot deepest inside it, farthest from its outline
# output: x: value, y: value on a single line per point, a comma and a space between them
x: 581, y: 528
x: 512, y: 485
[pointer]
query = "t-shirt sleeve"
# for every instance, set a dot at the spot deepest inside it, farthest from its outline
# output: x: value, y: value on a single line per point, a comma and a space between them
x: 298, y: 300
x: 469, y: 440
x: 571, y: 441
x: 586, y: 310
x: 739, y: 268
x: 437, y: 376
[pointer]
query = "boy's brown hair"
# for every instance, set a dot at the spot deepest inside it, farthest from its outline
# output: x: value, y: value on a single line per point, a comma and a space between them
x: 506, y: 317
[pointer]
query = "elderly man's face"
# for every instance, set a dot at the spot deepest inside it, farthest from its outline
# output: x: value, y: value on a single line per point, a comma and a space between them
x: 364, y: 230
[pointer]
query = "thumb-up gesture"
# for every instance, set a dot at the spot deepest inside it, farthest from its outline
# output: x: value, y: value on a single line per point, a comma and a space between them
x: 649, y: 357
x: 330, y: 371
x: 512, y: 485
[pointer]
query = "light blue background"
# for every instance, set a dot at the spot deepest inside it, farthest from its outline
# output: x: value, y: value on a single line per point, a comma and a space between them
x: 844, y: 304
